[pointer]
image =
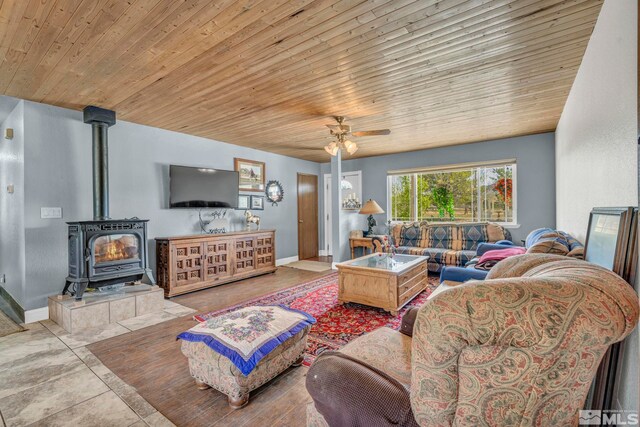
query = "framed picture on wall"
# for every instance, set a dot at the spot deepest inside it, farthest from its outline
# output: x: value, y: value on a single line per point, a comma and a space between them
x: 244, y: 201
x: 252, y: 174
x: 257, y: 203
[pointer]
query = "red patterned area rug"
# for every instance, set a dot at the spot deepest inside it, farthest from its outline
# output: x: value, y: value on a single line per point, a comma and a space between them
x: 337, y: 324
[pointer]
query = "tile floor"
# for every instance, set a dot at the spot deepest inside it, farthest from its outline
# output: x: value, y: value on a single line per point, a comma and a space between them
x: 49, y: 378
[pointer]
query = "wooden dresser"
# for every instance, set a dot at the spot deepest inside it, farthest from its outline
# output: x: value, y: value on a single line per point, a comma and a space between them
x: 189, y: 263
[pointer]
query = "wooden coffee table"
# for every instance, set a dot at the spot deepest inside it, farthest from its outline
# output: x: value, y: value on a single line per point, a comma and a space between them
x: 381, y: 280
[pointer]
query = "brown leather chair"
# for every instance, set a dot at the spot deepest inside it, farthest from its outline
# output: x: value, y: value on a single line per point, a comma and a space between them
x: 519, y: 348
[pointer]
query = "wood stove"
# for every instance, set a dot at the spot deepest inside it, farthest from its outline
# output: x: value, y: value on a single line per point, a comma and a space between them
x: 105, y: 251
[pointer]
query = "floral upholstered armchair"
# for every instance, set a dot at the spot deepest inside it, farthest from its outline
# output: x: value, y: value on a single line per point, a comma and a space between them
x: 520, y: 348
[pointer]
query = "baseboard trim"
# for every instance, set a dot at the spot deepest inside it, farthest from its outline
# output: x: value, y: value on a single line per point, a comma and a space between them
x: 36, y: 315
x: 333, y: 265
x: 283, y: 261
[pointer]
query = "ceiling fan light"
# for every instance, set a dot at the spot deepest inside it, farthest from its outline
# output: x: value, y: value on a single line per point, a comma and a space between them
x: 332, y: 148
x: 351, y: 146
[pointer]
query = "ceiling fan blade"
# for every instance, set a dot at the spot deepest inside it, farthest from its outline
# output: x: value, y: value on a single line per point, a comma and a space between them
x: 371, y: 132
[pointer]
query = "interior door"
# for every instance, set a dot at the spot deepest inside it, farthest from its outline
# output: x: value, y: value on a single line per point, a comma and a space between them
x: 307, y: 216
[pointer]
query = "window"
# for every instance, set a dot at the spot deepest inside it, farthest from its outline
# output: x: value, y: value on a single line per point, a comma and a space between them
x: 478, y: 192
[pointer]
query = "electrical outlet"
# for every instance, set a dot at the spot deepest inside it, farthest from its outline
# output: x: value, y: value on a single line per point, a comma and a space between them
x: 50, y: 213
x: 3, y: 278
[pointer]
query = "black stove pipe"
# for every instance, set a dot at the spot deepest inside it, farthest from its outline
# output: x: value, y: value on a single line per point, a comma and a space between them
x: 100, y: 119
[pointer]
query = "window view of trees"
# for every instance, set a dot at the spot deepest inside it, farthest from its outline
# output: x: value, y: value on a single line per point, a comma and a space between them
x: 475, y: 194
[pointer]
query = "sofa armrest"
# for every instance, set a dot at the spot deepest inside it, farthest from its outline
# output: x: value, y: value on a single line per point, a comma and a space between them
x: 379, y: 243
x: 409, y: 318
x: 461, y: 274
x: 484, y: 247
x: 348, y: 392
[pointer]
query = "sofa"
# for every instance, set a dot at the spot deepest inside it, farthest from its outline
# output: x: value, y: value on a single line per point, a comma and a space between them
x: 520, y: 348
x: 453, y: 244
x: 542, y: 241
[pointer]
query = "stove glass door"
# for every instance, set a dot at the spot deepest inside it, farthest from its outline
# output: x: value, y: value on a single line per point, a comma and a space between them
x: 115, y: 247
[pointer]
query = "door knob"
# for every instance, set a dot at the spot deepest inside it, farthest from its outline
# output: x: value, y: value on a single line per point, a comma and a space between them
x: 299, y: 220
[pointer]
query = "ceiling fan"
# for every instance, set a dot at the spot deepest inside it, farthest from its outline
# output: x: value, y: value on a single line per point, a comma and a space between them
x: 341, y: 131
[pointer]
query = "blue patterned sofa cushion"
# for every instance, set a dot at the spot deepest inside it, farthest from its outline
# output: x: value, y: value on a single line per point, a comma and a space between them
x: 441, y: 236
x: 473, y: 234
x: 439, y: 257
x: 410, y: 235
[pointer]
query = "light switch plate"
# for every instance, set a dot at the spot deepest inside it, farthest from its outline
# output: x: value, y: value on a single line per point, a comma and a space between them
x: 50, y: 213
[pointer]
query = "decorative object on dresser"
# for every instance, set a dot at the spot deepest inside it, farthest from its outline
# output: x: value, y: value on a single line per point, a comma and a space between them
x: 104, y: 252
x: 205, y: 224
x: 251, y: 218
x: 274, y: 192
x: 252, y: 174
x: 190, y: 263
x: 371, y: 208
x: 382, y: 280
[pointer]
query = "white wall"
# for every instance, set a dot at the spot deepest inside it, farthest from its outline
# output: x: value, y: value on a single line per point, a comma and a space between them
x: 596, y: 148
x: 12, y: 239
x: 58, y: 174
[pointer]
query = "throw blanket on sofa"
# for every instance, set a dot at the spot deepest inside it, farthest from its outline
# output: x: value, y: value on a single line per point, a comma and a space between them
x: 247, y: 335
x: 491, y: 258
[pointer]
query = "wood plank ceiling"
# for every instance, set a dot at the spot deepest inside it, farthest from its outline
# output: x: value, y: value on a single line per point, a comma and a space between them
x: 269, y: 74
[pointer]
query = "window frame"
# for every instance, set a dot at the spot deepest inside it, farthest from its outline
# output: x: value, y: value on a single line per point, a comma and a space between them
x: 456, y: 167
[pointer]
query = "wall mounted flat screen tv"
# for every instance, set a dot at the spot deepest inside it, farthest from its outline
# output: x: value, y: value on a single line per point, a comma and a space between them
x: 192, y: 187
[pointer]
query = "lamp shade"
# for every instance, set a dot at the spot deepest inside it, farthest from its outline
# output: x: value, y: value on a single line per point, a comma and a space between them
x: 371, y: 208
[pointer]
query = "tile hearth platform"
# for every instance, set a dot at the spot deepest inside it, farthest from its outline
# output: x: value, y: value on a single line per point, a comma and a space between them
x: 100, y: 310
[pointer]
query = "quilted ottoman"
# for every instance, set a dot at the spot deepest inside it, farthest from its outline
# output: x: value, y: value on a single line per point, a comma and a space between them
x: 239, y: 351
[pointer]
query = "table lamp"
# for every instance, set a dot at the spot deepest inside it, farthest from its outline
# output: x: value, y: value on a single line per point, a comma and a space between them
x: 370, y: 208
